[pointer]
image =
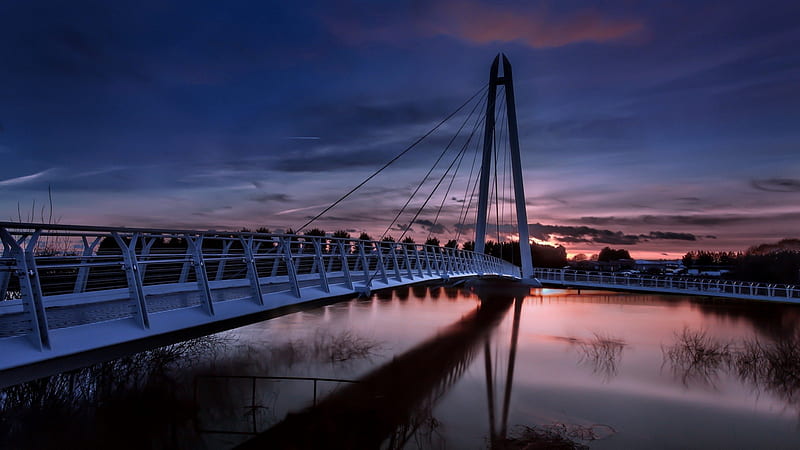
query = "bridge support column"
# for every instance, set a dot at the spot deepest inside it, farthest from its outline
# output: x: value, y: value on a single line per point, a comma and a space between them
x: 516, y: 165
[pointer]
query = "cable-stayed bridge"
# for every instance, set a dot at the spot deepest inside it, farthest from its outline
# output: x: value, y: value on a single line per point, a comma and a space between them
x: 74, y: 295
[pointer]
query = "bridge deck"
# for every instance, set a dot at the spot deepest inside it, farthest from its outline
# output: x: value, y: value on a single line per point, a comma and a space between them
x: 670, y: 285
x: 129, y: 289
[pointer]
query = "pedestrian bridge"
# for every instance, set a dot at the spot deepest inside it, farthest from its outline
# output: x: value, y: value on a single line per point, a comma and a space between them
x: 706, y: 287
x: 73, y: 291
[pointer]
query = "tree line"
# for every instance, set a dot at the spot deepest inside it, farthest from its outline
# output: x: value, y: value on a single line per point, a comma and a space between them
x: 777, y: 262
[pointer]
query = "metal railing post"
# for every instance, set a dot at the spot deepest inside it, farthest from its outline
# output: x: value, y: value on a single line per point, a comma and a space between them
x: 348, y: 279
x: 436, y: 265
x: 364, y: 264
x: 381, y: 266
x: 395, y: 263
x: 323, y: 276
x: 409, y: 270
x: 131, y: 268
x: 83, y: 271
x: 186, y: 265
x: 5, y: 275
x: 252, y: 269
x: 418, y: 262
x: 196, y: 247
x: 290, y: 267
x: 147, y: 245
x: 30, y: 285
x: 226, y: 249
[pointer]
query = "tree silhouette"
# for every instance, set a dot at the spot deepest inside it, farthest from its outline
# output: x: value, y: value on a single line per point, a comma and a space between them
x: 610, y: 254
x: 432, y: 241
x: 315, y: 232
x: 341, y: 234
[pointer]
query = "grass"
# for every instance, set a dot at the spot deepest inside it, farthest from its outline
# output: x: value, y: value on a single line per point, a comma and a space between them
x: 554, y: 436
x: 603, y: 352
x: 770, y: 366
x: 697, y: 356
x: 145, y: 400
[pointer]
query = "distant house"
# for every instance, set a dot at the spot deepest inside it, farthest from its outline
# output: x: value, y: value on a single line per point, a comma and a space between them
x: 658, y: 265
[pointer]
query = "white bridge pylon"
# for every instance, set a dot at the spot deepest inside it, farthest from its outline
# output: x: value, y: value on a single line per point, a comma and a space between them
x: 516, y: 166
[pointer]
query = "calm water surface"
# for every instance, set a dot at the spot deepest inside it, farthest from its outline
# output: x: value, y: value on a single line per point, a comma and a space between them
x: 590, y: 361
x: 435, y: 367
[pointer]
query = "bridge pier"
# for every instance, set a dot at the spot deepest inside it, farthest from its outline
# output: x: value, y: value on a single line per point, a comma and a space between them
x: 516, y: 165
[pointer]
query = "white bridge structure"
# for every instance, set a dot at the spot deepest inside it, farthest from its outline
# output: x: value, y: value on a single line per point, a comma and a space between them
x: 74, y: 295
x: 74, y: 290
x: 707, y: 287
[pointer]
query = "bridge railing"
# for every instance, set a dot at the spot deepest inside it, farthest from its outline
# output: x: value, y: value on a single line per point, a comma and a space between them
x: 714, y: 287
x: 48, y: 272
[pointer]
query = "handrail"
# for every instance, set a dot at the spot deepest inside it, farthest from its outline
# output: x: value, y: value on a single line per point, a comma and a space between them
x: 43, y: 263
x: 673, y: 284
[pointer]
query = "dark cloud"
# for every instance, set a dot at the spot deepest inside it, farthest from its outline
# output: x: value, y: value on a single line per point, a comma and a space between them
x: 435, y: 228
x: 264, y: 198
x: 670, y: 235
x: 192, y: 100
x: 777, y: 185
x: 692, y: 220
x: 583, y: 234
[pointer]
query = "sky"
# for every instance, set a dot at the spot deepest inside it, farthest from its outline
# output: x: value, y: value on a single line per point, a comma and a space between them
x: 659, y: 127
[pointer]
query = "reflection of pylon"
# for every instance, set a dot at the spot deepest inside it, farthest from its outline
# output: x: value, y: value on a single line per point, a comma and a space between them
x: 495, y: 434
x: 516, y: 166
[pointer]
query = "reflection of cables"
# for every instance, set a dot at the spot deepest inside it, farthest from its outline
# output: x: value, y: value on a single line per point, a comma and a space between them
x: 480, y: 91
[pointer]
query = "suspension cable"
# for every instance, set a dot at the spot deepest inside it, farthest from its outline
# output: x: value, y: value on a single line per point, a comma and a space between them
x: 407, y: 149
x: 475, y: 185
x: 455, y: 172
x: 466, y: 204
x: 425, y: 178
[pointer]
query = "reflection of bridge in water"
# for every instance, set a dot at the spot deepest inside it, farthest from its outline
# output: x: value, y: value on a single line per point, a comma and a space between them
x: 384, y: 406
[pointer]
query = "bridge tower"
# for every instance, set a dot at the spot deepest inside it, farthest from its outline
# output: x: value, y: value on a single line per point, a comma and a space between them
x: 516, y: 167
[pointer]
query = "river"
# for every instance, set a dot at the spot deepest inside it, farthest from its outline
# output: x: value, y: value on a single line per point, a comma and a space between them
x: 437, y: 367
